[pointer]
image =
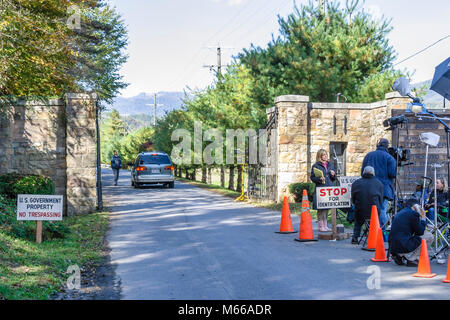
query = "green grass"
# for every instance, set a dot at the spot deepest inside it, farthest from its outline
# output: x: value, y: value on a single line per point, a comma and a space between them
x: 36, y: 271
x: 212, y: 187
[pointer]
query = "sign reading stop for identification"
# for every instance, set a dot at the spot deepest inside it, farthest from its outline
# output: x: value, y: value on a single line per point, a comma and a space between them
x: 39, y: 207
x: 333, y: 197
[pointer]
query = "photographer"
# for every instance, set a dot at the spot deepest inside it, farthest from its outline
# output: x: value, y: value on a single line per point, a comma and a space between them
x: 407, y: 231
x: 385, y: 170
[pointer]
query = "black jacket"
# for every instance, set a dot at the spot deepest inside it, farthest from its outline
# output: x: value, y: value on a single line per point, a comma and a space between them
x: 366, y: 192
x: 406, y: 229
x: 442, y: 198
x: 326, y: 173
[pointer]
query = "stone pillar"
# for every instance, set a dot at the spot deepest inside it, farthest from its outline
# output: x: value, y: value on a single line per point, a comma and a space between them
x: 292, y: 163
x: 81, y: 153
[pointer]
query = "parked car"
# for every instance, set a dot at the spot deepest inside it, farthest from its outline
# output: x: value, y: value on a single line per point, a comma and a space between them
x: 152, y: 168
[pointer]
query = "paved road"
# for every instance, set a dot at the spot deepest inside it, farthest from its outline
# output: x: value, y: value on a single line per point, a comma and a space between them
x: 189, y: 243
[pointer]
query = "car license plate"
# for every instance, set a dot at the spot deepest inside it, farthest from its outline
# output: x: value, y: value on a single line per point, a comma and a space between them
x: 155, y: 171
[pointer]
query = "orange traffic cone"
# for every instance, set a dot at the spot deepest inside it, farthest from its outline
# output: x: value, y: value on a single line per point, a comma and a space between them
x: 423, y: 269
x: 286, y: 223
x: 447, y: 278
x: 373, y: 230
x: 306, y: 231
x: 380, y: 252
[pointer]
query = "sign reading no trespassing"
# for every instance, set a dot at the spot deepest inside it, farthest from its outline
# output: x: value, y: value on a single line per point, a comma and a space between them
x: 333, y: 197
x: 39, y: 207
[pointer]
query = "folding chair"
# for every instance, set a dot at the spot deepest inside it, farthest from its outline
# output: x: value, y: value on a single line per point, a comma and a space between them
x: 365, y: 235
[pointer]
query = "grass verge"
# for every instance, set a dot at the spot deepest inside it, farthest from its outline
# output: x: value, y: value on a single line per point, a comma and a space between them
x: 37, y: 271
x: 212, y: 187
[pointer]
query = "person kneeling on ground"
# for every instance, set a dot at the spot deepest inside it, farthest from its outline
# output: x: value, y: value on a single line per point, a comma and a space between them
x: 366, y: 192
x: 407, y: 231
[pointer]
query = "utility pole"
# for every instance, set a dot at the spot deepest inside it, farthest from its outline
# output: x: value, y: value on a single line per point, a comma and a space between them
x: 154, y: 108
x: 219, y: 61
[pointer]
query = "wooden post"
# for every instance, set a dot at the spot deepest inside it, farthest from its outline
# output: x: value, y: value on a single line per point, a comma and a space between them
x: 39, y: 231
x: 333, y: 221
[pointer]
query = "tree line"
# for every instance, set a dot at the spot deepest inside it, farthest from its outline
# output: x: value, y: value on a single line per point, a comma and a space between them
x: 49, y: 48
x: 342, y: 50
x: 318, y: 53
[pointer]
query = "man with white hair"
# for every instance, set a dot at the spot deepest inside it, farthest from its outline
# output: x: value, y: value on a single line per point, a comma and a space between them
x: 366, y: 192
x: 385, y: 170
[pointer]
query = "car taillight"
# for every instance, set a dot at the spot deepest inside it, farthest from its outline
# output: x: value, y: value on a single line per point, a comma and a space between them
x: 169, y: 168
x: 141, y: 168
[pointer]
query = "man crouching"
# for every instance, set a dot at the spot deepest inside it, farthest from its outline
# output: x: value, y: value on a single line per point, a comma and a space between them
x: 407, y: 230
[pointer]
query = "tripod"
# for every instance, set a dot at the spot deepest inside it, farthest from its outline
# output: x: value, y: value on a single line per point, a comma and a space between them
x: 440, y: 238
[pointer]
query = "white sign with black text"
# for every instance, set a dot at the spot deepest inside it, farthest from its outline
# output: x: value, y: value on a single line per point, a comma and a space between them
x: 39, y: 207
x: 347, y: 181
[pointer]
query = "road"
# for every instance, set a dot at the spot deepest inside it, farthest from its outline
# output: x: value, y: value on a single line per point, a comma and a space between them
x: 190, y: 243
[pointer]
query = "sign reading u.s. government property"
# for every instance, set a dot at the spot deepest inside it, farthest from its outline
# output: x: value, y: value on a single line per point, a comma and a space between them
x: 39, y: 207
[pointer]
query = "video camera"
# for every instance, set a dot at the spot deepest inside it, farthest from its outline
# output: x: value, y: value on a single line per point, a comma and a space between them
x: 394, y: 121
x: 403, y: 154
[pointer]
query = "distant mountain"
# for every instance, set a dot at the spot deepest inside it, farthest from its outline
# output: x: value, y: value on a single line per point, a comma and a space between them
x: 431, y: 99
x: 143, y: 103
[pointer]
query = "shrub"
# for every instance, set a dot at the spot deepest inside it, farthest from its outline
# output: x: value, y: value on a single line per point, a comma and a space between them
x: 7, y: 182
x: 297, y: 190
x: 34, y: 185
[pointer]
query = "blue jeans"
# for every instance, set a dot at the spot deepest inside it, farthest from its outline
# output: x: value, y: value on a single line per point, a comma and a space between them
x: 430, y: 214
x: 382, y: 216
x: 116, y: 175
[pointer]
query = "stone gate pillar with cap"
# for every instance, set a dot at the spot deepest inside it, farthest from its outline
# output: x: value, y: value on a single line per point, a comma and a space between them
x: 292, y: 138
x: 81, y: 153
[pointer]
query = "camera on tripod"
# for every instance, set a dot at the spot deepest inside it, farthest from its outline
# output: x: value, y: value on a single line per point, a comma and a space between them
x: 401, y: 155
x: 394, y: 121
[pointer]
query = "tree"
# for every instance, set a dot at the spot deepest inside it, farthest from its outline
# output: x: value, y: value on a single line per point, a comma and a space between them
x: 41, y: 54
x: 112, y: 130
x: 344, y: 51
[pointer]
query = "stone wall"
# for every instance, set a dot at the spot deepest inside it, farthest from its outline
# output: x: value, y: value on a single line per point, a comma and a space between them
x: 305, y: 127
x: 54, y: 138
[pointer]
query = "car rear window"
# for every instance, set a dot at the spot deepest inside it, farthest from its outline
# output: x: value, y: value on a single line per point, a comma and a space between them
x: 155, y: 159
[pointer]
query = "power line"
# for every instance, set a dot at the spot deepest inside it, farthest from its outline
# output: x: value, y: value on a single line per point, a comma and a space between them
x: 415, y: 54
x: 248, y: 19
x: 283, y: 6
x: 190, y: 64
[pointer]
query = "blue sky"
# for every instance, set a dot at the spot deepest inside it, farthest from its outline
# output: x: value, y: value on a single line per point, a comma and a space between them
x: 171, y: 40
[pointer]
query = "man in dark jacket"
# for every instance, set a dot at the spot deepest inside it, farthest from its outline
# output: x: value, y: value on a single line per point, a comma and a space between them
x: 407, y: 231
x: 366, y: 192
x: 116, y: 164
x: 385, y: 170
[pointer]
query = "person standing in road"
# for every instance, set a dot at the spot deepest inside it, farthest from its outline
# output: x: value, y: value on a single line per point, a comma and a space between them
x: 323, y: 180
x: 385, y: 170
x: 116, y: 164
